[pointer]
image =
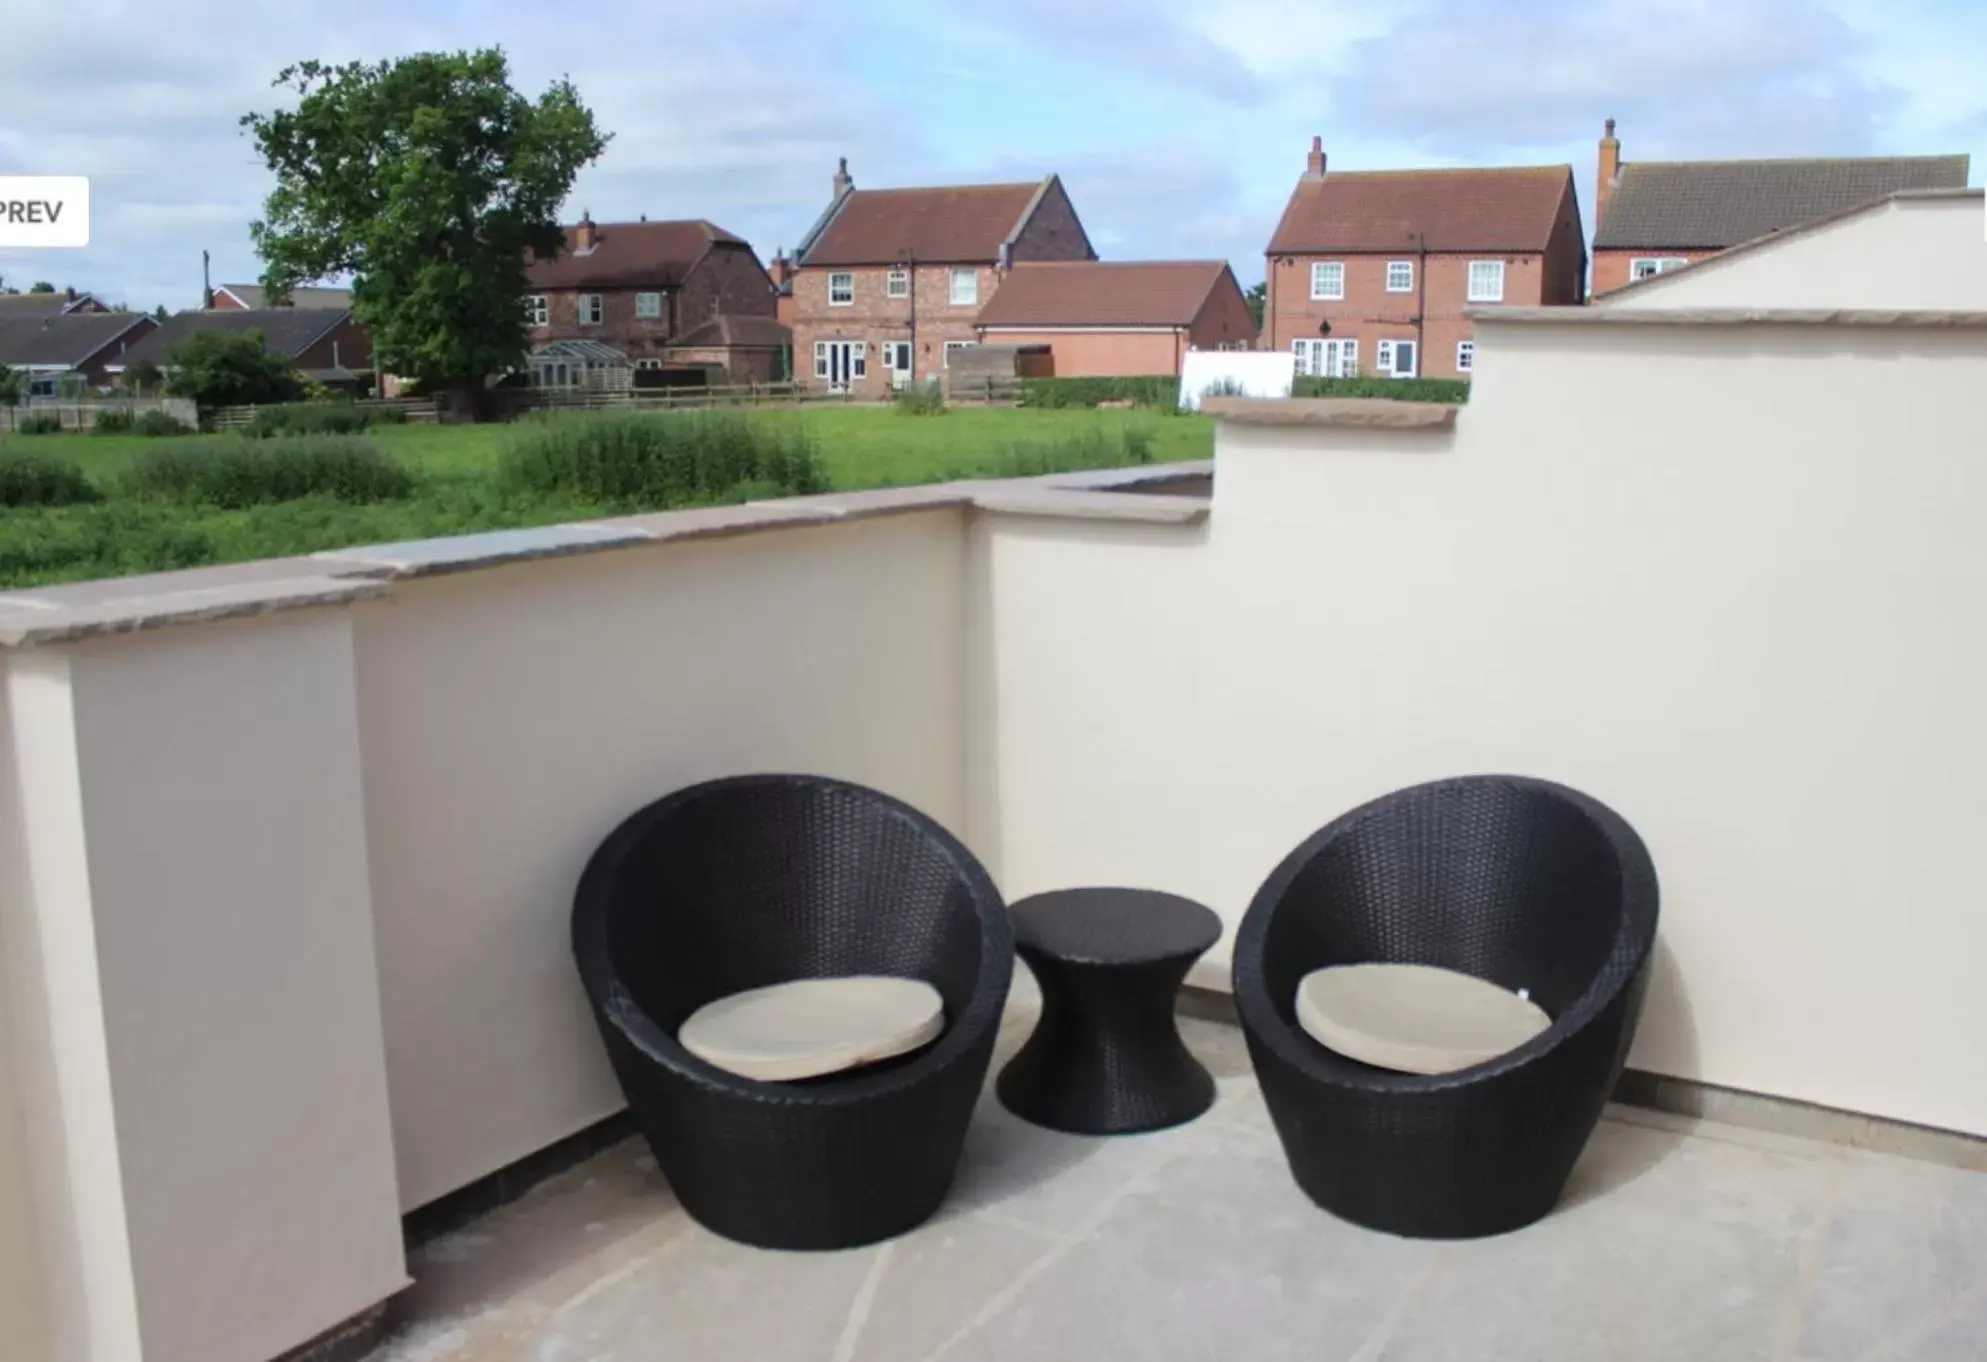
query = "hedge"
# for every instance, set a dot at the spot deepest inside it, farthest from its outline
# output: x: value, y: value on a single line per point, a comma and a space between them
x: 1150, y: 390
x: 1399, y: 389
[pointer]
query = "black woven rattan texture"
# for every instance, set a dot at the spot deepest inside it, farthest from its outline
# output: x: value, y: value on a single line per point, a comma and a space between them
x: 1106, y: 1056
x: 1528, y: 884
x: 757, y: 880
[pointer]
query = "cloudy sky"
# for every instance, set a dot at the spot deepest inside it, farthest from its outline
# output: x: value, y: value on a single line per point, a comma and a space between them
x: 1179, y: 125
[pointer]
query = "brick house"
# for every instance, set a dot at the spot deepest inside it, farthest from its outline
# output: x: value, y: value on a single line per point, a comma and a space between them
x: 1129, y: 317
x: 638, y: 287
x: 325, y: 344
x: 1652, y: 216
x: 51, y: 346
x: 889, y: 281
x: 1374, y: 271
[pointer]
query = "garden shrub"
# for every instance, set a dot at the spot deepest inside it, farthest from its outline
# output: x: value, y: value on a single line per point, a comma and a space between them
x: 1398, y: 389
x: 320, y: 418
x: 40, y: 423
x: 232, y: 472
x: 666, y: 459
x: 922, y: 399
x: 38, y: 480
x: 115, y: 421
x: 157, y: 422
x: 1151, y: 390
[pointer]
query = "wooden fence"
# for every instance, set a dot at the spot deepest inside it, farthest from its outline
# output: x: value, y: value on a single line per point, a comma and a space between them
x: 79, y: 415
x: 419, y: 410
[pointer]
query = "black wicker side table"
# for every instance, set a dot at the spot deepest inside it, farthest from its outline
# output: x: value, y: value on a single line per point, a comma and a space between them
x: 1106, y: 1057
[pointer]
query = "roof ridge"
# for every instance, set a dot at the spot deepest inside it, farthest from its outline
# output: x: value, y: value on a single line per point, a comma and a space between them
x: 950, y: 188
x: 1804, y: 160
x: 1563, y: 167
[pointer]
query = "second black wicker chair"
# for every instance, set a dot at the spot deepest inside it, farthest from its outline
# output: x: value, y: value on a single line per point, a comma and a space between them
x: 758, y: 880
x: 1527, y: 884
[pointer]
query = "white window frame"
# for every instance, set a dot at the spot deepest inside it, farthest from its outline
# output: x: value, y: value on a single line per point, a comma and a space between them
x: 858, y: 360
x: 1386, y: 361
x: 537, y: 309
x: 1321, y: 270
x: 842, y: 289
x: 648, y: 362
x: 1486, y: 281
x: 821, y: 360
x: 648, y: 306
x: 898, y: 283
x: 593, y: 309
x: 969, y: 295
x: 1649, y: 266
x: 1465, y: 356
x: 892, y: 349
x: 1328, y: 358
x: 1400, y: 276
x: 952, y: 345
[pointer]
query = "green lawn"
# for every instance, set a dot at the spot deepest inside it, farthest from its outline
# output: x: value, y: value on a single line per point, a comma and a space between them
x: 457, y: 494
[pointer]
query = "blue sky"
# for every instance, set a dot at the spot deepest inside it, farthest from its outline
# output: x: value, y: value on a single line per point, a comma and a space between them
x: 1178, y: 125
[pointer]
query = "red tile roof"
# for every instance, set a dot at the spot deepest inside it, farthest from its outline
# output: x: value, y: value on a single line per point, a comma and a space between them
x: 630, y: 255
x: 957, y: 225
x: 1505, y: 209
x: 1100, y: 293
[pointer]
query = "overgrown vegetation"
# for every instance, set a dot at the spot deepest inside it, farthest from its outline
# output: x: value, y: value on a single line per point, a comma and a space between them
x: 668, y: 459
x: 922, y: 399
x: 39, y: 480
x: 1160, y: 391
x: 1399, y: 389
x: 321, y: 418
x: 231, y: 369
x: 1070, y: 454
x: 232, y: 472
x: 157, y: 422
x: 40, y: 423
x: 115, y: 421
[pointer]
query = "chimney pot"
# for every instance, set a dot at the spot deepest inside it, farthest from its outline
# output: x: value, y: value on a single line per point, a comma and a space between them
x: 843, y: 184
x: 1606, y: 173
x: 585, y: 235
x: 1314, y: 165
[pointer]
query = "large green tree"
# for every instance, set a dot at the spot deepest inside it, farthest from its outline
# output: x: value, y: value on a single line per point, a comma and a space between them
x: 427, y: 179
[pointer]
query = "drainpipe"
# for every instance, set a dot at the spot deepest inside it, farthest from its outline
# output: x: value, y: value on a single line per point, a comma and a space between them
x: 1421, y: 304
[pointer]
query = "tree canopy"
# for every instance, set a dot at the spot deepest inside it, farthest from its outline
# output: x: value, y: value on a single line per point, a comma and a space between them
x: 231, y: 369
x: 41, y: 286
x: 427, y: 179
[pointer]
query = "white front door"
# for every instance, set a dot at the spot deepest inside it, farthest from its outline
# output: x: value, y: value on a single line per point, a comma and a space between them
x: 1328, y: 358
x: 897, y: 359
x: 840, y: 363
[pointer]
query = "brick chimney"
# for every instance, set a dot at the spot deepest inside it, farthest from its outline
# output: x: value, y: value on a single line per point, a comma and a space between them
x: 584, y: 236
x: 1314, y: 165
x: 1608, y: 171
x: 843, y: 184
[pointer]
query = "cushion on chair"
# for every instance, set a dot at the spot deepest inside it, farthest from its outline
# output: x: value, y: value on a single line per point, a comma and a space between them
x: 809, y: 1027
x: 1416, y: 1019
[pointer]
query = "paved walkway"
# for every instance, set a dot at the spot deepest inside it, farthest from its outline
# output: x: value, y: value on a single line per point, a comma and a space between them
x: 1678, y: 1240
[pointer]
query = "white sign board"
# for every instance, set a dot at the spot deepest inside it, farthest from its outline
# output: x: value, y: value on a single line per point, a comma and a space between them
x: 1235, y: 373
x: 44, y: 210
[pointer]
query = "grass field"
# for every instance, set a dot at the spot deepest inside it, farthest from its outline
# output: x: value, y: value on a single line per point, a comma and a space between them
x: 457, y: 492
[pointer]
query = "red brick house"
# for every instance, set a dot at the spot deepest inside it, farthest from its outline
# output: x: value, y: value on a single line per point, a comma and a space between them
x: 52, y: 346
x: 1374, y: 271
x: 325, y: 344
x: 1129, y: 317
x: 640, y: 287
x: 1654, y: 216
x: 890, y: 281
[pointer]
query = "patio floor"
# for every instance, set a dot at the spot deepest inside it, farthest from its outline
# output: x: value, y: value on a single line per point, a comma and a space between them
x: 1678, y: 1239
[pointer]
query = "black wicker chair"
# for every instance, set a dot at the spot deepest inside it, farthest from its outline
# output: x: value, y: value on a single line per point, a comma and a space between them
x: 1524, y: 883
x: 756, y: 880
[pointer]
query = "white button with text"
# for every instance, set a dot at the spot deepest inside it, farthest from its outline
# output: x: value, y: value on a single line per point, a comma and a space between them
x: 44, y: 210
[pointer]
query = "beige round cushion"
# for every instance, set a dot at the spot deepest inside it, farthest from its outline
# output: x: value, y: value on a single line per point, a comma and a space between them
x: 810, y: 1027
x: 1416, y: 1019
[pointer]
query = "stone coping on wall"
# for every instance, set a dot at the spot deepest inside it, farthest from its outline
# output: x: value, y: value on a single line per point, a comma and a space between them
x: 1346, y: 413
x: 1732, y: 316
x: 75, y: 611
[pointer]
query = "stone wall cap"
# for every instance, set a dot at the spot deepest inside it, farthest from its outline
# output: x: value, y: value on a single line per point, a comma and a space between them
x: 1353, y: 413
x: 29, y: 619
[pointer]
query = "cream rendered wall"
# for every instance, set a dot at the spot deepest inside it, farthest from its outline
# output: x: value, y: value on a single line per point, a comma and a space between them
x: 24, y: 1303
x: 511, y: 717
x: 1732, y: 598
x: 1913, y: 253
x: 218, y: 769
